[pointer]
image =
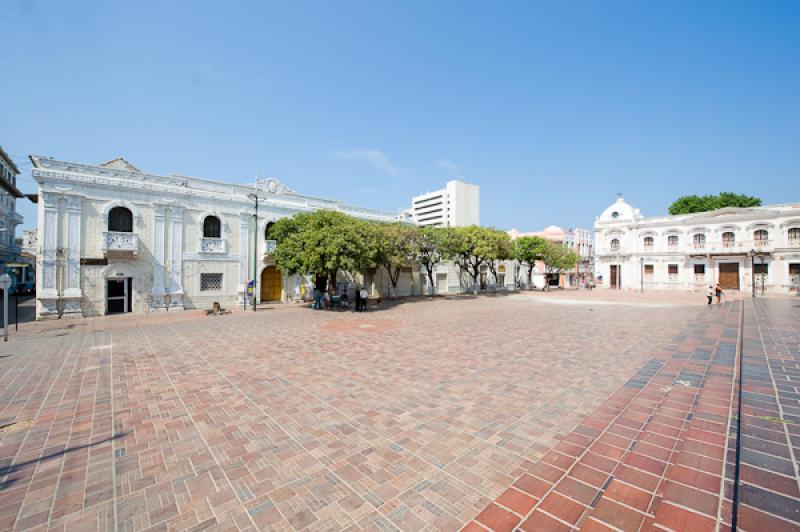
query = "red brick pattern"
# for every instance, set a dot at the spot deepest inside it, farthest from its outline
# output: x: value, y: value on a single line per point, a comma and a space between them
x: 655, y: 455
x: 411, y: 417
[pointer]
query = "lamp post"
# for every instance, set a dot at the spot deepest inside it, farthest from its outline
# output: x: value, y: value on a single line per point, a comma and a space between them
x: 254, y: 197
x: 641, y: 273
x: 752, y: 254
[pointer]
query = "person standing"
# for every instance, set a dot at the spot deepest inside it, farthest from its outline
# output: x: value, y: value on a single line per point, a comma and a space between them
x: 358, y: 299
x: 710, y: 294
x: 718, y: 293
x: 364, y: 296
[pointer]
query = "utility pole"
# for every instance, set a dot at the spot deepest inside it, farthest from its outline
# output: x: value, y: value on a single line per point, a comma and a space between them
x: 255, y: 246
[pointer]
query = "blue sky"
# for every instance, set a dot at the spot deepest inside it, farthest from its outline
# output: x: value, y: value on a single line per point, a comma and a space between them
x: 552, y: 108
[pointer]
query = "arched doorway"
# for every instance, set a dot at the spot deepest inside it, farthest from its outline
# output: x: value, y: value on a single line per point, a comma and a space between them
x: 271, y: 284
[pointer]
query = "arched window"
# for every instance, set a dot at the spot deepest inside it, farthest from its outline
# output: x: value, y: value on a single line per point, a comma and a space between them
x: 648, y: 242
x: 672, y: 241
x: 267, y: 229
x: 615, y: 245
x: 794, y: 235
x: 212, y: 228
x: 728, y: 239
x: 120, y: 219
x: 699, y: 240
x: 761, y: 235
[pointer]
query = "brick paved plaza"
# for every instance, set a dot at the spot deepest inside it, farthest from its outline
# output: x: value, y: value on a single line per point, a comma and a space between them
x: 494, y: 412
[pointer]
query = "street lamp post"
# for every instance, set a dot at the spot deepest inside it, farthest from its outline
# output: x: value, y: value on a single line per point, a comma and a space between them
x: 641, y: 273
x: 254, y: 197
x: 752, y: 254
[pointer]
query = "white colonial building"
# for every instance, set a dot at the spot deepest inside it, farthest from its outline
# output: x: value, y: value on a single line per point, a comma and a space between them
x: 735, y: 247
x: 113, y: 239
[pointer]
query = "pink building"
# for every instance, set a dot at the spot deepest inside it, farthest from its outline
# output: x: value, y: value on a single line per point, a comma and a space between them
x: 576, y: 239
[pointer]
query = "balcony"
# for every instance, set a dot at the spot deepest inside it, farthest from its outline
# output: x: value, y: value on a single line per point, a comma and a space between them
x: 737, y: 247
x: 212, y: 245
x: 613, y: 251
x: 269, y: 246
x: 118, y: 241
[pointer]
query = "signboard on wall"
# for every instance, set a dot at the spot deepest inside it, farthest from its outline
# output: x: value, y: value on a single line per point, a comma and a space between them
x: 94, y: 262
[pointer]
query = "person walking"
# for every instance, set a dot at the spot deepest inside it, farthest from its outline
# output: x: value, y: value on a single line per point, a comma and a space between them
x: 364, y: 296
x: 718, y: 293
x: 710, y: 294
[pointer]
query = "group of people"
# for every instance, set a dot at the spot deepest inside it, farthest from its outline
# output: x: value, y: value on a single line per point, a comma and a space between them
x: 714, y: 291
x: 323, y: 300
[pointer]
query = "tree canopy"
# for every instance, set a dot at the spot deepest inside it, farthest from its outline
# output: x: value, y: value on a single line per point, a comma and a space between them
x: 327, y: 242
x: 472, y: 247
x: 711, y: 202
x: 556, y: 258
x: 393, y: 246
x: 529, y: 249
x: 323, y: 242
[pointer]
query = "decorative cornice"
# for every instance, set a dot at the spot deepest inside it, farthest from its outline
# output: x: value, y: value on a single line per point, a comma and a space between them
x: 47, y: 170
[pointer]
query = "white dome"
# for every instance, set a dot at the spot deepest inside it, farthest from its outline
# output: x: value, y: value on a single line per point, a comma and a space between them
x: 619, y: 211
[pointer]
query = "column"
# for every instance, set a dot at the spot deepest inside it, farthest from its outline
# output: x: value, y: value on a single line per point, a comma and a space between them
x: 159, y: 250
x: 244, y: 253
x: 47, y: 291
x: 176, y: 254
x: 72, y: 254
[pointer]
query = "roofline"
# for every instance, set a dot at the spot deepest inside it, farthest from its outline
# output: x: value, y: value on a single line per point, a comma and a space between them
x: 8, y: 159
x: 244, y: 187
x: 679, y: 218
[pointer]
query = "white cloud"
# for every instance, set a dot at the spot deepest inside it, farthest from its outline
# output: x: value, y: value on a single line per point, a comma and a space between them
x: 447, y: 165
x: 375, y: 158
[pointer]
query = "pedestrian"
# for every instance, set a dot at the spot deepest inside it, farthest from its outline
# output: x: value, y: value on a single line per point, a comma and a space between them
x: 317, y: 298
x: 710, y: 294
x: 718, y: 292
x: 364, y: 296
x: 358, y: 299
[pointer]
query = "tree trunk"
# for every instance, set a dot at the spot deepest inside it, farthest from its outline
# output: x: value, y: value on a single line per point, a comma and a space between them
x: 431, y: 287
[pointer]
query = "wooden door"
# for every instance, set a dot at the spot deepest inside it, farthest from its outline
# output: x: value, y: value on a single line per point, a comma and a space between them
x: 271, y: 284
x: 616, y: 276
x: 729, y: 275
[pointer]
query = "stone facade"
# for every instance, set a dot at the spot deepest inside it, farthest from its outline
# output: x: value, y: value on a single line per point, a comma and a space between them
x: 740, y: 248
x: 165, y: 260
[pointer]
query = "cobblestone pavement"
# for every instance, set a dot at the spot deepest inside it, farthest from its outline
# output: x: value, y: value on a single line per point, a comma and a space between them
x: 412, y: 417
x: 661, y: 452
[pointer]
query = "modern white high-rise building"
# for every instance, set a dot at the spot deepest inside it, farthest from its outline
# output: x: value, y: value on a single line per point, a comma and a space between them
x: 456, y: 205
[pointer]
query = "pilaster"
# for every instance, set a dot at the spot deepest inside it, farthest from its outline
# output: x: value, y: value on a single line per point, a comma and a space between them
x: 245, y: 238
x: 175, y: 292
x: 159, y: 255
x: 47, y: 292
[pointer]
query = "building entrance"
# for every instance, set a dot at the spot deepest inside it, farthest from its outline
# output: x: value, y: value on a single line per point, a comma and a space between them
x: 729, y: 275
x: 118, y: 295
x: 616, y: 276
x: 271, y: 284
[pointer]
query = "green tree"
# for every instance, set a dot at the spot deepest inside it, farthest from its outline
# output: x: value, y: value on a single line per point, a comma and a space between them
x: 500, y: 248
x: 393, y: 247
x: 557, y: 258
x: 710, y: 202
x: 428, y: 250
x: 469, y: 247
x: 321, y: 242
x: 527, y: 250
